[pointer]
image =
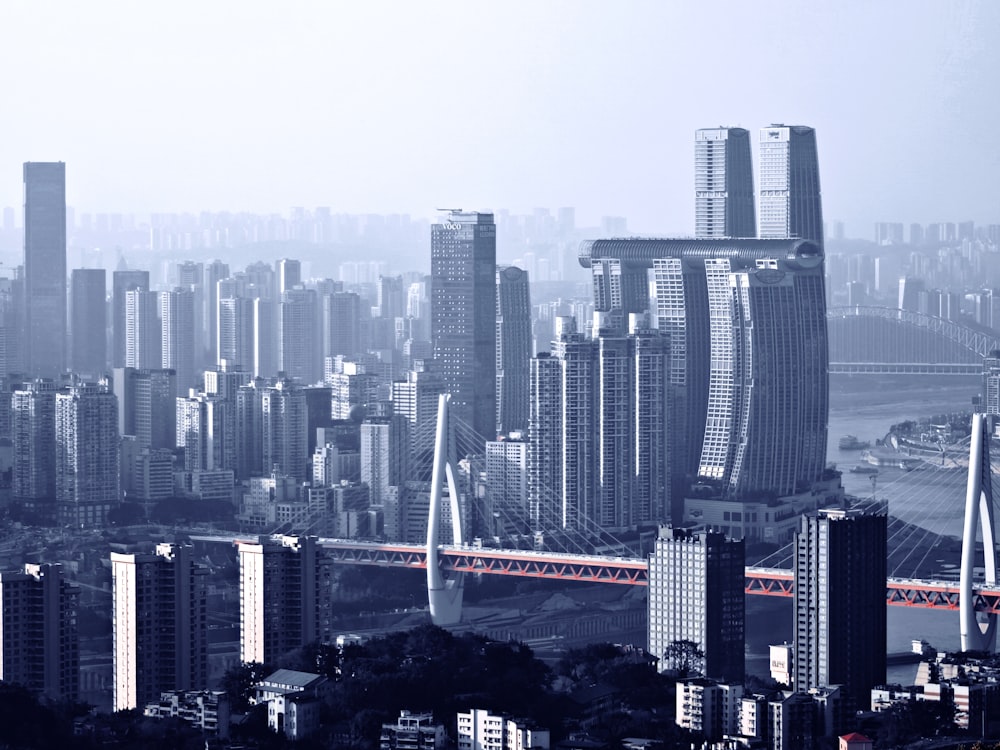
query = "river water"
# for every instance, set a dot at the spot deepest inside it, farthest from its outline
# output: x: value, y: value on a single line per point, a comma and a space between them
x: 867, y: 406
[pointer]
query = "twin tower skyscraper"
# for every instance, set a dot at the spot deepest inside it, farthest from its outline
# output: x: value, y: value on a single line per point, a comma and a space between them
x: 741, y: 311
x: 789, y: 203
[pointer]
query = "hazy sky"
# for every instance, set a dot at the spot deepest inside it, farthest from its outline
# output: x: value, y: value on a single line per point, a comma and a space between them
x: 406, y: 106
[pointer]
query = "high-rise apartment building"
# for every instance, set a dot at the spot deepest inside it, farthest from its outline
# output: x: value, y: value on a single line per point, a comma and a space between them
x: 122, y: 282
x: 45, y: 267
x: 839, y: 600
x: 298, y: 352
x: 416, y: 399
x: 696, y: 581
x: 87, y: 455
x: 40, y: 645
x: 159, y: 636
x: 507, y: 480
x: 205, y: 426
x: 738, y: 313
x: 147, y: 406
x: 33, y: 434
x: 142, y: 330
x: 385, y: 455
x: 235, y: 332
x: 178, y: 336
x: 88, y: 322
x: 790, y: 205
x: 463, y: 320
x: 514, y: 349
x: 723, y: 178
x: 288, y: 273
x: 284, y: 597
x: 341, y: 324
x: 214, y: 273
x: 599, y: 413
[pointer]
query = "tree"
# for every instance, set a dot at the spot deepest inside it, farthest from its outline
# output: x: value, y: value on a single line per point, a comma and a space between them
x: 239, y: 682
x: 685, y: 658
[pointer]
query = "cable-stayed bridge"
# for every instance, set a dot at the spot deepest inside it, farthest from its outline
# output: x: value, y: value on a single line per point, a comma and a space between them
x: 447, y: 563
x: 873, y: 340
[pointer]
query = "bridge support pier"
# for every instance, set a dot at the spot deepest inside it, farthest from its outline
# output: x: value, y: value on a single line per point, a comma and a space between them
x: 976, y: 635
x: 443, y: 595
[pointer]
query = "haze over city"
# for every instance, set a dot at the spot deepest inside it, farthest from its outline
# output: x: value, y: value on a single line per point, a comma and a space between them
x: 403, y: 107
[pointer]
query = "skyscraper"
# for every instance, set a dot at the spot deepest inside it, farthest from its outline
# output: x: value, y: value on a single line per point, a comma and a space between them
x: 598, y: 429
x: 45, y: 267
x: 41, y: 647
x: 159, y: 639
x: 513, y: 348
x: 747, y: 317
x: 88, y: 322
x: 790, y: 204
x: 385, y: 454
x: 142, y: 330
x: 463, y: 320
x: 147, y: 406
x: 122, y: 282
x: 288, y: 273
x: 298, y: 350
x: 723, y: 177
x: 839, y: 602
x: 235, y: 334
x: 341, y: 324
x: 87, y: 455
x: 214, y: 273
x: 177, y: 327
x: 284, y: 597
x: 33, y: 434
x: 696, y: 580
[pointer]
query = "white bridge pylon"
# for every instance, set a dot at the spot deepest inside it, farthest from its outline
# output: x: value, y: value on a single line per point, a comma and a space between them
x: 444, y: 594
x: 976, y: 635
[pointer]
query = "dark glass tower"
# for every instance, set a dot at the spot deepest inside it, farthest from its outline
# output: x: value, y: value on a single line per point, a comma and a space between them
x: 464, y: 318
x: 513, y: 348
x: 790, y: 202
x: 840, y: 619
x: 88, y: 321
x: 45, y: 267
x: 723, y: 177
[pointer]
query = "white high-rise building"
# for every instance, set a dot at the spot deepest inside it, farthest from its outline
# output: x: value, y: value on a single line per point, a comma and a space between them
x: 159, y: 637
x: 723, y: 176
x: 142, y: 330
x: 385, y: 455
x: 235, y: 332
x: 299, y: 354
x: 179, y: 336
x: 284, y: 597
x: 696, y: 597
x: 790, y: 203
x: 507, y: 479
x: 87, y: 455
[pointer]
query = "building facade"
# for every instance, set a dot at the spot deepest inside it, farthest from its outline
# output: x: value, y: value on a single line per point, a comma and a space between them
x: 840, y: 620
x: 723, y: 177
x: 790, y: 202
x: 40, y: 646
x: 88, y: 458
x: 88, y: 322
x: 284, y: 597
x: 463, y: 319
x: 514, y: 349
x: 696, y: 581
x: 159, y: 626
x: 45, y: 267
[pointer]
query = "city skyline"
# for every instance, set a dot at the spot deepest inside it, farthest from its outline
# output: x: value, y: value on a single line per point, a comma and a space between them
x: 565, y: 85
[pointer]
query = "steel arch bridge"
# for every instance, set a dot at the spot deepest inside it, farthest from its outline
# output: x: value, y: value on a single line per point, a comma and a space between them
x: 866, y: 339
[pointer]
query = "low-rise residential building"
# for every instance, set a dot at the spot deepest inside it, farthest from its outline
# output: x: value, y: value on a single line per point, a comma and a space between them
x: 413, y: 731
x: 293, y: 701
x: 709, y: 707
x: 478, y: 729
x: 207, y: 710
